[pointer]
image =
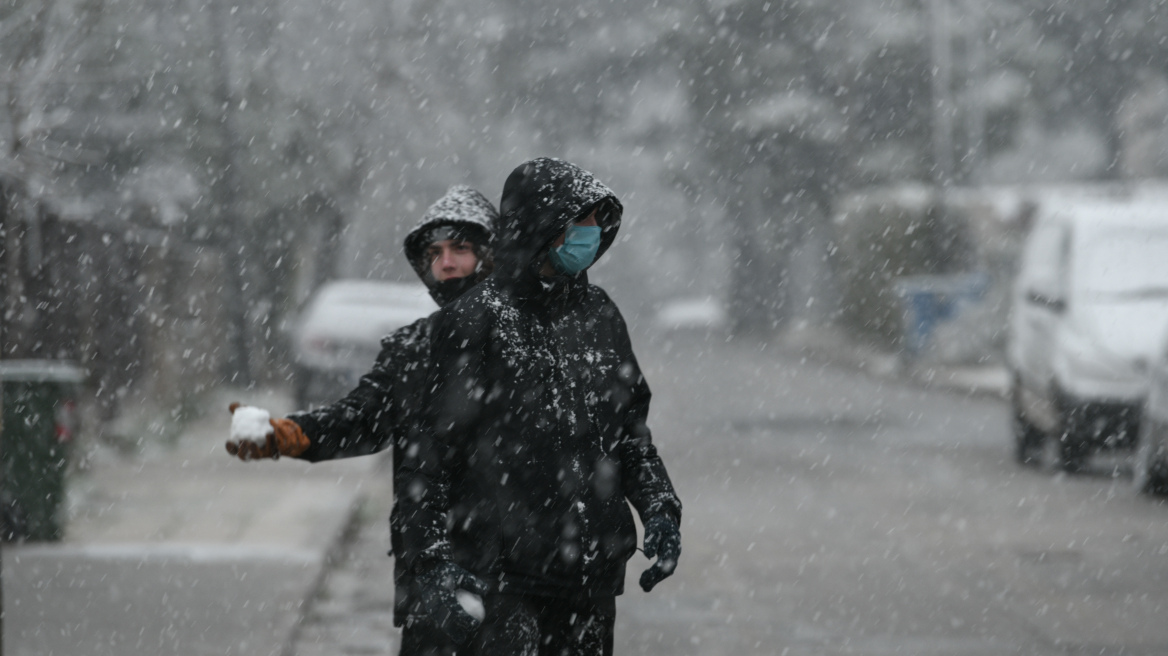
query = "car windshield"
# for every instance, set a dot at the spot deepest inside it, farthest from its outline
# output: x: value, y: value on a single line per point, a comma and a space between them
x: 1133, y: 264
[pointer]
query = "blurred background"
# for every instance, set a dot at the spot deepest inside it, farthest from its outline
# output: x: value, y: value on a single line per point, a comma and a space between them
x: 178, y: 177
x: 895, y: 270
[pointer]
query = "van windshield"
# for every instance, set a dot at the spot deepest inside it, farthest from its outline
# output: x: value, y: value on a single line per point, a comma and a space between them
x: 1128, y: 265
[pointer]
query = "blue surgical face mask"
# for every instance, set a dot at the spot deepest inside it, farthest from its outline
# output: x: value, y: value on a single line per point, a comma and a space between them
x: 578, y: 250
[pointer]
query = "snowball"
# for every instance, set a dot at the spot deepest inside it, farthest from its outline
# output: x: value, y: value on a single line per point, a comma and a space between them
x: 250, y: 423
x: 471, y: 603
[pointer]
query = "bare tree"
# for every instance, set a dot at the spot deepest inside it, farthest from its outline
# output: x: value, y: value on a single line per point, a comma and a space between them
x: 41, y: 41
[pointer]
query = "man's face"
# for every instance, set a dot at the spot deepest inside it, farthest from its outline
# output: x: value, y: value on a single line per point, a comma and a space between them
x: 451, y: 258
x: 589, y: 220
x: 547, y: 269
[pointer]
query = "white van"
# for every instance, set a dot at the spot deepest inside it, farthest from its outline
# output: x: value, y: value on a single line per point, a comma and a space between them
x: 1089, y: 307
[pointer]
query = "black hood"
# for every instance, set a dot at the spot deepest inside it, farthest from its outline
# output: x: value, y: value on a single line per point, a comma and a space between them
x: 469, y: 215
x: 541, y: 198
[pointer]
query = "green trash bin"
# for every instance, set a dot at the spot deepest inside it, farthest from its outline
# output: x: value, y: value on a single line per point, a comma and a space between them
x: 40, y: 417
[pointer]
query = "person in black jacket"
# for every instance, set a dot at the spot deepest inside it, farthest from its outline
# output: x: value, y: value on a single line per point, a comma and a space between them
x: 534, y: 437
x: 450, y: 250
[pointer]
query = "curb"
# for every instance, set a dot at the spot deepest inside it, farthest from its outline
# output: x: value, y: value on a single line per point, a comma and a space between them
x: 341, y: 535
x: 831, y: 345
x: 991, y: 381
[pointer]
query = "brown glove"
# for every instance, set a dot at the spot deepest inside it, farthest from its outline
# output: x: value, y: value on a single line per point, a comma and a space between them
x: 286, y: 439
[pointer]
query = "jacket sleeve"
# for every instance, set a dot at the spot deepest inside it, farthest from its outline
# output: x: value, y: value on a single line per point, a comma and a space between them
x: 363, y: 421
x: 644, y: 480
x: 422, y: 480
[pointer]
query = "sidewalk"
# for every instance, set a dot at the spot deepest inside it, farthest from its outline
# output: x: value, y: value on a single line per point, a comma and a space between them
x: 184, y: 549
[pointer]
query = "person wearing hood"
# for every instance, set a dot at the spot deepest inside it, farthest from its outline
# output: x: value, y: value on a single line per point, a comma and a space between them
x: 534, y: 437
x: 450, y: 250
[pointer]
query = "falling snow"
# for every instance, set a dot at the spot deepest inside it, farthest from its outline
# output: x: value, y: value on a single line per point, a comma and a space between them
x: 819, y: 249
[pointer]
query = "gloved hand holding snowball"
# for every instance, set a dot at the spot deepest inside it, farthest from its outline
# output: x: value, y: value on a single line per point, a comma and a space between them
x: 256, y: 436
x: 452, y: 600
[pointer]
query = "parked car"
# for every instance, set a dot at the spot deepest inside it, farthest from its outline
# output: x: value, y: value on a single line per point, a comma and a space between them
x: 1089, y: 306
x: 692, y: 313
x: 1150, y: 469
x: 338, y: 336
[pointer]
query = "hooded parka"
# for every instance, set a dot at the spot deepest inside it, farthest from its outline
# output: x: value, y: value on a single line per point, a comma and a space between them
x: 534, y: 432
x: 383, y: 408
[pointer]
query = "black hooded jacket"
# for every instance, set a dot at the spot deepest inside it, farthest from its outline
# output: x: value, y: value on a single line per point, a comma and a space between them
x: 384, y: 406
x: 534, y: 432
x: 385, y: 400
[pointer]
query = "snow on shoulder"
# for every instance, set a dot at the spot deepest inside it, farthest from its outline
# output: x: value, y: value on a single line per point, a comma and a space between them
x: 250, y: 423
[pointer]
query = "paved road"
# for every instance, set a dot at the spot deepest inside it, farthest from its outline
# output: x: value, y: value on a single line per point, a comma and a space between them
x: 828, y: 512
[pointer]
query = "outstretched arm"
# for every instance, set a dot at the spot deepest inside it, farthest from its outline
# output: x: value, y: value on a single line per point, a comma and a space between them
x: 362, y: 422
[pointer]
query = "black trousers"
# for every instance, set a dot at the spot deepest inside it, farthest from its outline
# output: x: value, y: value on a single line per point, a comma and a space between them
x: 523, y: 624
x: 421, y: 638
x: 545, y: 626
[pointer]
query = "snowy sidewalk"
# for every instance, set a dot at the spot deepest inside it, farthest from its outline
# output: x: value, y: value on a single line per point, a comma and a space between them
x: 183, y: 549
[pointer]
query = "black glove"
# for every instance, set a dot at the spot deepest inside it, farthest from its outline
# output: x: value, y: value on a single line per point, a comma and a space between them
x: 663, y: 540
x: 436, y: 588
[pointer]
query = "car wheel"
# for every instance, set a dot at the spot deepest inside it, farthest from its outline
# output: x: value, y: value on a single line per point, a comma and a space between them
x: 1073, y: 448
x: 1028, y: 438
x: 1150, y: 470
x: 1072, y: 456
